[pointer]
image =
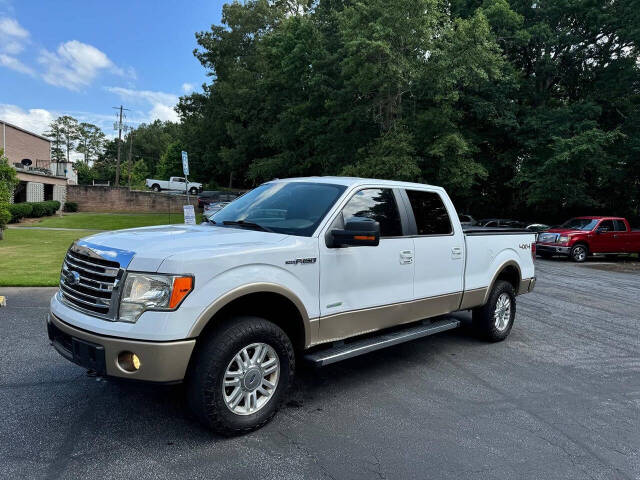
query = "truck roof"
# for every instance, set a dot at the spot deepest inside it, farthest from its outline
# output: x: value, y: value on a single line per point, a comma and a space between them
x: 600, y: 217
x: 353, y: 181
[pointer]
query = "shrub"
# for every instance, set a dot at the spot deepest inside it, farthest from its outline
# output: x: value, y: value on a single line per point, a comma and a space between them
x: 19, y: 211
x: 70, y: 207
x: 40, y: 209
x: 52, y: 206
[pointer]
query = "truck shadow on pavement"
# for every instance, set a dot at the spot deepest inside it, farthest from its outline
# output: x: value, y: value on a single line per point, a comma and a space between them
x: 141, y: 405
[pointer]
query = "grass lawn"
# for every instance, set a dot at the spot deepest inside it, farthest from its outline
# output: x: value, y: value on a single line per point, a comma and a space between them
x: 32, y: 258
x: 111, y: 221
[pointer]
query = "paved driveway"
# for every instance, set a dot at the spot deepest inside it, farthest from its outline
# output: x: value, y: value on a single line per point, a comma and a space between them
x: 559, y: 399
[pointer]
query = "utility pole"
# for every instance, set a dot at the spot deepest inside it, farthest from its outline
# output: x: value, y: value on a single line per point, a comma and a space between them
x: 121, y: 108
x: 130, y: 152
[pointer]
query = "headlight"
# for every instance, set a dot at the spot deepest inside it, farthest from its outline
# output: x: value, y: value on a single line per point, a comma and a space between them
x: 144, y: 291
x: 563, y: 238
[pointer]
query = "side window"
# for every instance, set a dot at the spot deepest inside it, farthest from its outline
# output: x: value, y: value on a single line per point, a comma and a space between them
x: 606, y: 225
x: 620, y: 226
x: 430, y: 213
x: 378, y: 204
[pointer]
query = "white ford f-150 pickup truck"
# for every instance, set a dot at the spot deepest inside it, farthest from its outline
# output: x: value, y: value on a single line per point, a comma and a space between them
x: 318, y: 268
x: 177, y: 184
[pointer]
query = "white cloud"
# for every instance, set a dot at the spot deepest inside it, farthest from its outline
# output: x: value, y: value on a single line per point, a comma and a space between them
x: 13, y: 36
x: 187, y: 87
x: 161, y: 103
x: 15, y: 64
x: 35, y: 120
x: 74, y: 65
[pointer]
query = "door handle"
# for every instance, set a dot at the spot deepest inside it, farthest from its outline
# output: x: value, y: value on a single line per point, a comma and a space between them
x: 456, y: 252
x: 406, y: 257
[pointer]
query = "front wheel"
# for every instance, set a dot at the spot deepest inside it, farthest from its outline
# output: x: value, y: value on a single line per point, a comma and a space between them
x: 494, y: 320
x: 579, y: 253
x: 241, y: 375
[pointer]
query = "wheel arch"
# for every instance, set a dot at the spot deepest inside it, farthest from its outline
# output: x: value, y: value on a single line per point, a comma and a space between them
x: 508, y: 271
x: 271, y: 301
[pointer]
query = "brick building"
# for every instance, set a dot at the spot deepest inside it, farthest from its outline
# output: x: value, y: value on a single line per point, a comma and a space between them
x: 42, y: 179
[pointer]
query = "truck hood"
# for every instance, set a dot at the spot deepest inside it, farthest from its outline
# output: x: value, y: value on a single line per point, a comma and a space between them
x: 151, y: 245
x: 566, y: 230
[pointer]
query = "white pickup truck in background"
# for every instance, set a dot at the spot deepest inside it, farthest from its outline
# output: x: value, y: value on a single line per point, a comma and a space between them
x: 177, y: 184
x: 320, y: 269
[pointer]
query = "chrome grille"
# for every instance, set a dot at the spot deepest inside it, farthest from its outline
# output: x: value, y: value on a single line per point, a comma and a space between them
x: 548, y: 237
x: 87, y: 283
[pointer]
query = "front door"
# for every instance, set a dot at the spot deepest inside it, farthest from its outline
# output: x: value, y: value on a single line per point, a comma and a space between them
x: 361, y: 287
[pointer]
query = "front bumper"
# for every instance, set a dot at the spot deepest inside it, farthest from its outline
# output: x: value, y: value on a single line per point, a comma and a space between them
x: 554, y: 249
x: 163, y: 362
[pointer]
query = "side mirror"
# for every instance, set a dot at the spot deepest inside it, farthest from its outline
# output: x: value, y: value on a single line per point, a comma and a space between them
x: 357, y: 232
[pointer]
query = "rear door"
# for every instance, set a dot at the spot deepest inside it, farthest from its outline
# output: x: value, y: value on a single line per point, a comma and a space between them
x: 177, y: 183
x: 439, y: 251
x: 359, y: 285
x: 604, y: 238
x: 622, y: 237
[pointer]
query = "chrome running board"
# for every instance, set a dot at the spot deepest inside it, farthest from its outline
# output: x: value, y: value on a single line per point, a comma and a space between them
x: 341, y: 351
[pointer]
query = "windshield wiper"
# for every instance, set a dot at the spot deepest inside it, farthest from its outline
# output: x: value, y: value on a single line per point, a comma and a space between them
x: 242, y: 223
x: 210, y: 220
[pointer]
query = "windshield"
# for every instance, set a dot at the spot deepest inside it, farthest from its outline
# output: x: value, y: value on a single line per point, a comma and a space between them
x: 584, y: 224
x: 294, y: 208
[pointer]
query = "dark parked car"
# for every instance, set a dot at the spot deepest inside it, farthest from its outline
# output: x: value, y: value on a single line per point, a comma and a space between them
x: 467, y: 220
x: 500, y: 223
x: 214, y: 196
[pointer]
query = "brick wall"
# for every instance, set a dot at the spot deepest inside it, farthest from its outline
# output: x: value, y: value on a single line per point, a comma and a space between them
x: 21, y: 144
x: 120, y: 199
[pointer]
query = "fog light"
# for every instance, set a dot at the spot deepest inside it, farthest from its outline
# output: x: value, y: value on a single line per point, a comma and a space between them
x: 129, y: 361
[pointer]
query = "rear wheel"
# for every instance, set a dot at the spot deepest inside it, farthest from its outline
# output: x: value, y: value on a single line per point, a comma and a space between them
x: 579, y: 253
x: 155, y: 187
x: 494, y: 320
x: 241, y: 375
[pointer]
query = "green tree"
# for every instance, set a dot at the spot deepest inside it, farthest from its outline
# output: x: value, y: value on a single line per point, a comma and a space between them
x: 8, y: 182
x: 90, y: 141
x: 496, y: 100
x: 65, y: 133
x: 170, y: 162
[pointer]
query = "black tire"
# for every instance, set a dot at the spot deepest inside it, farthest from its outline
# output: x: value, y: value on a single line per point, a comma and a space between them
x: 155, y: 187
x: 579, y: 253
x: 193, y: 191
x: 484, y: 321
x: 207, y: 371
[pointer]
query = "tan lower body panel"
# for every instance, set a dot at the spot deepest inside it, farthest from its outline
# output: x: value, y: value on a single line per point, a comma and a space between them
x: 526, y: 285
x: 159, y: 361
x: 473, y: 298
x: 358, y: 322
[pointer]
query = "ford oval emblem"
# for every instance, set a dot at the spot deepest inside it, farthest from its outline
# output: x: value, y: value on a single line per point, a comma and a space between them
x: 73, y: 278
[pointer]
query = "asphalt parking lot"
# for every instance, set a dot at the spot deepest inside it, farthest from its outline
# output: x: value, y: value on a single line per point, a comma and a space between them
x: 559, y: 399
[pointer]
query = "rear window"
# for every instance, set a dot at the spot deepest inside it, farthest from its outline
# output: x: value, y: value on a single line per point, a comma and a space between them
x: 430, y: 213
x: 619, y: 226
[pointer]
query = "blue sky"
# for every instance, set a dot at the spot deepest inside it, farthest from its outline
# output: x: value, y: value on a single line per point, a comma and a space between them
x: 83, y: 57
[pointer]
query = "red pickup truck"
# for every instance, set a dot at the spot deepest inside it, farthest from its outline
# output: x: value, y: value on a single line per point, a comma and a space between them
x: 583, y: 236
